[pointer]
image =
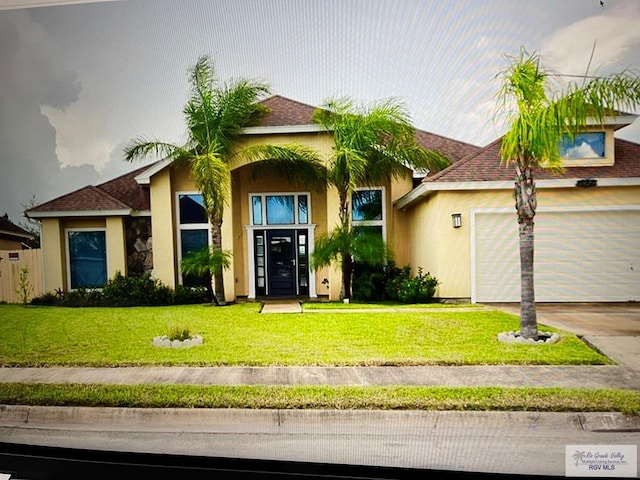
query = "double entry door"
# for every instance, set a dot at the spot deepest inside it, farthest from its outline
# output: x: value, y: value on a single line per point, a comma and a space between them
x: 282, y: 266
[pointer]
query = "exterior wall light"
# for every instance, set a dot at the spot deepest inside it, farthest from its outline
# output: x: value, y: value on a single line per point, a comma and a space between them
x: 456, y: 218
x: 587, y: 183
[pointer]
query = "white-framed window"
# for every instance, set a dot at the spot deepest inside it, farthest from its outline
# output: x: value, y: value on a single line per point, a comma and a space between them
x: 193, y: 230
x: 368, y: 211
x: 86, y: 257
x: 280, y: 208
x: 583, y: 145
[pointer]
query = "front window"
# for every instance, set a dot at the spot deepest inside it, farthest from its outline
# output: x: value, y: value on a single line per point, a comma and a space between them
x: 193, y: 230
x: 280, y: 210
x: 583, y: 145
x: 366, y: 205
x: 271, y: 209
x: 368, y: 212
x: 87, y: 255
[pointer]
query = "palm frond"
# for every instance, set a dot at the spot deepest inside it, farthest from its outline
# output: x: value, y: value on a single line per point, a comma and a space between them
x: 543, y: 115
x: 213, y: 178
x: 296, y: 163
x: 331, y: 248
x: 141, y: 148
x: 203, y: 261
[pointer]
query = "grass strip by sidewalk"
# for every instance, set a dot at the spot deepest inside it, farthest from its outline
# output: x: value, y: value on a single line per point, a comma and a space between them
x: 312, y: 397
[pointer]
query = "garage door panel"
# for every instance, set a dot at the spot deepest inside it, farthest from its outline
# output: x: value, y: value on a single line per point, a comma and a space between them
x: 579, y: 256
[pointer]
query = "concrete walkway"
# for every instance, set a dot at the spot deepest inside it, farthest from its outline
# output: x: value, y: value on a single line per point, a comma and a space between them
x: 604, y: 376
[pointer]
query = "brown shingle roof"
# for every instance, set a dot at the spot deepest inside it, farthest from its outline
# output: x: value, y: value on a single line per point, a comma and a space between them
x: 121, y: 193
x: 284, y: 111
x: 454, y: 150
x: 485, y: 165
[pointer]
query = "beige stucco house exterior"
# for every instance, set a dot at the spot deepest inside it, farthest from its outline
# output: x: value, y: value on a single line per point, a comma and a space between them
x: 148, y: 219
x: 458, y: 224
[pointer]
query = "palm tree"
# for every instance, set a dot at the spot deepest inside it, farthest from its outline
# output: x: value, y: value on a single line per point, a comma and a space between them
x: 371, y: 145
x: 216, y: 116
x: 539, y: 122
x: 202, y: 262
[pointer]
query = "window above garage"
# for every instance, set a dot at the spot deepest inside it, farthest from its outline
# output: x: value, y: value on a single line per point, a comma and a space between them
x: 588, y: 149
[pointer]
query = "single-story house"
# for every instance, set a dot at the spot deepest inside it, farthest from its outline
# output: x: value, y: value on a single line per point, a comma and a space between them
x: 458, y: 224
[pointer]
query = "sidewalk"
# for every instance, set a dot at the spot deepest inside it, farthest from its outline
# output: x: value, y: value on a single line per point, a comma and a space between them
x: 600, y: 376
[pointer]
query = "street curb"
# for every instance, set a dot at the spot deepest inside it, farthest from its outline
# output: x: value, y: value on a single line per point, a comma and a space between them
x: 270, y: 420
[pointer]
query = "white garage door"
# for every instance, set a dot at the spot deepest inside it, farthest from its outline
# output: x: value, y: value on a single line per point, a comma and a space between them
x: 580, y: 256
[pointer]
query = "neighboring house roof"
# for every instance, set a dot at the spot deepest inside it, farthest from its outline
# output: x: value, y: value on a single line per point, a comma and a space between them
x: 119, y: 196
x: 11, y: 231
x: 484, y: 170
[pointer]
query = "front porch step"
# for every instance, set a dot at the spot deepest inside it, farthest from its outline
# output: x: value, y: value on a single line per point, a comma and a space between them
x: 281, y: 306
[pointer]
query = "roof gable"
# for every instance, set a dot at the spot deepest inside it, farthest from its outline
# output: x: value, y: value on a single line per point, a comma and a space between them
x: 122, y: 194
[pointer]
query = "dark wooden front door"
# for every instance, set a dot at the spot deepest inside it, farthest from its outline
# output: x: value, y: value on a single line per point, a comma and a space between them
x: 281, y: 262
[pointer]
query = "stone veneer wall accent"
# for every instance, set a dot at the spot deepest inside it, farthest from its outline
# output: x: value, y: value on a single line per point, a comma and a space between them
x: 139, y: 245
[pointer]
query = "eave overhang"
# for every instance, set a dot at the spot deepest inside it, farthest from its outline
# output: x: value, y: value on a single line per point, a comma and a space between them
x: 426, y: 189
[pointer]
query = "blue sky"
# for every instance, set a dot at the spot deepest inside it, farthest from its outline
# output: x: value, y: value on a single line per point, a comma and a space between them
x: 79, y: 81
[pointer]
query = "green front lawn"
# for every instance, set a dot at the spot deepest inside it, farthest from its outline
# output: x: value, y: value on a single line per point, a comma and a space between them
x: 239, y: 335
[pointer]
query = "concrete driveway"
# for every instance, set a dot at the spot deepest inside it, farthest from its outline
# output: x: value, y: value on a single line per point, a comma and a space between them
x: 613, y: 328
x: 613, y: 319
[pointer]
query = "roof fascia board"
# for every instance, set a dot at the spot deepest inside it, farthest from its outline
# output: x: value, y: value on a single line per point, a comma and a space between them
x: 280, y: 129
x: 616, y: 120
x: 141, y: 213
x: 145, y: 177
x: 425, y: 189
x: 15, y: 234
x: 80, y: 213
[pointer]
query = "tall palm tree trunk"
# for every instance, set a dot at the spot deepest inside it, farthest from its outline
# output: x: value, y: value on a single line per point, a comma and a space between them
x: 528, y: 317
x: 218, y: 272
x: 347, y: 272
x: 526, y: 203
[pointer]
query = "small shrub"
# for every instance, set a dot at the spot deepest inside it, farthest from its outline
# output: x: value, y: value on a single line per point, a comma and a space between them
x: 25, y: 289
x: 83, y: 297
x: 419, y: 289
x: 179, y: 332
x: 49, y: 298
x: 394, y: 278
x: 191, y: 295
x: 121, y: 291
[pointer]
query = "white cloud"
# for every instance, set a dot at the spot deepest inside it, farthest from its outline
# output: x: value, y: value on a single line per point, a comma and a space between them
x: 584, y: 150
x: 80, y: 136
x: 615, y: 33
